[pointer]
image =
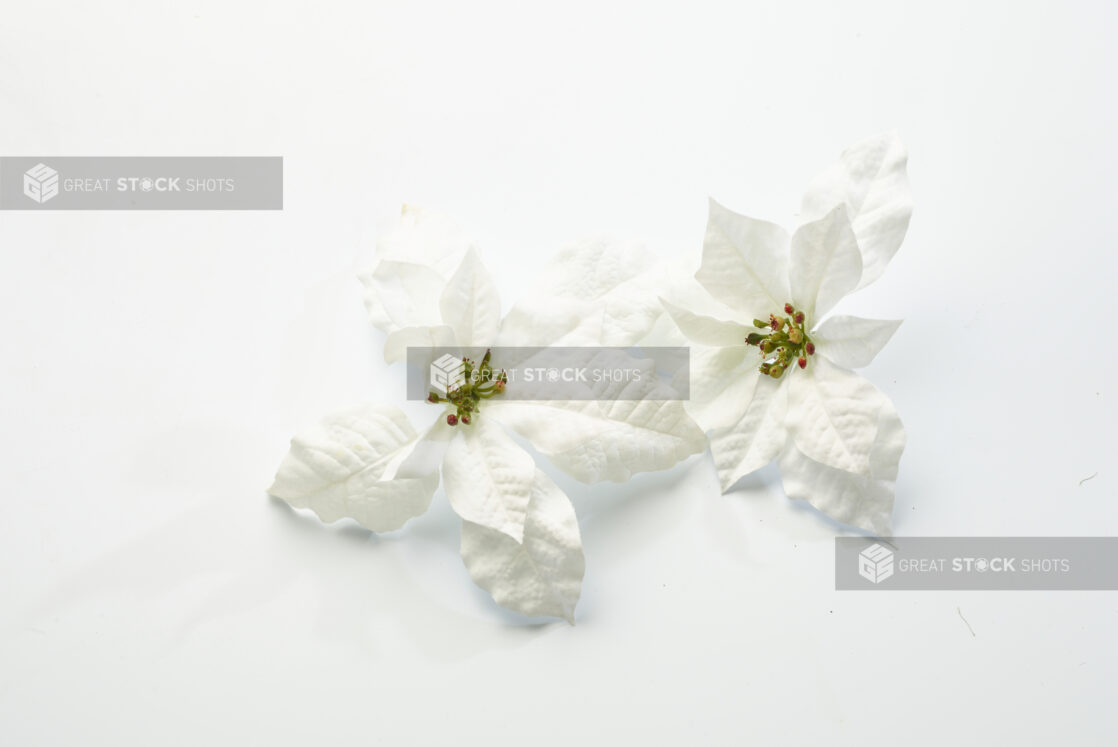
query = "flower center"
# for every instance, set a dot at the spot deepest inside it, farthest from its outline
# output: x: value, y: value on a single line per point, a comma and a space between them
x: 478, y: 383
x: 786, y: 341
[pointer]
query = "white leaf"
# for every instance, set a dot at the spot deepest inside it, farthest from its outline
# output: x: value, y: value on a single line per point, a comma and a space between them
x: 594, y: 440
x: 593, y: 267
x: 337, y: 469
x: 397, y: 342
x: 622, y: 317
x: 722, y: 382
x: 424, y: 237
x: 859, y: 500
x: 546, y: 321
x: 413, y: 262
x: 603, y: 285
x: 707, y: 330
x: 402, y: 294
x: 488, y: 478
x: 541, y: 575
x: 426, y: 455
x: 825, y: 263
x: 756, y: 438
x: 470, y: 304
x: 833, y: 414
x: 852, y: 342
x: 745, y: 262
x: 870, y: 179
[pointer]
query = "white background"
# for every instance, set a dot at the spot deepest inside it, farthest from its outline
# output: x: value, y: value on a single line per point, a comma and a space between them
x: 155, y: 365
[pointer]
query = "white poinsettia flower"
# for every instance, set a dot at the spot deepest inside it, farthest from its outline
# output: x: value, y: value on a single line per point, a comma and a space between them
x: 520, y: 537
x: 772, y: 377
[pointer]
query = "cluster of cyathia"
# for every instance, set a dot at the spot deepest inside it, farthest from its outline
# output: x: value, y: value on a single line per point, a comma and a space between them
x: 478, y: 383
x: 787, y: 341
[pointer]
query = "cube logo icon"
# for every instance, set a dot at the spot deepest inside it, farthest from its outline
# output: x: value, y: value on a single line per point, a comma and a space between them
x: 40, y: 183
x: 875, y: 563
x: 447, y: 372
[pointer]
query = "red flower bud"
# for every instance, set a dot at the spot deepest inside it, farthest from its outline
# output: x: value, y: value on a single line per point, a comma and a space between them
x: 465, y: 420
x: 803, y: 362
x: 799, y: 317
x: 788, y: 308
x: 810, y: 348
x: 433, y: 398
x: 452, y: 419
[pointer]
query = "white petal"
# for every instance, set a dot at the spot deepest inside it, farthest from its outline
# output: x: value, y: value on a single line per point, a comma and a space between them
x: 594, y: 267
x: 594, y: 440
x: 756, y: 438
x: 852, y: 342
x: 426, y: 455
x: 424, y: 237
x: 470, y: 304
x: 402, y: 294
x: 413, y: 262
x: 337, y: 469
x: 624, y: 316
x: 546, y: 321
x: 858, y: 500
x: 396, y: 344
x: 488, y: 478
x: 707, y: 330
x: 833, y: 414
x: 870, y: 179
x: 541, y: 575
x: 744, y: 262
x: 601, y: 284
x: 722, y: 383
x: 825, y: 263
x: 678, y: 286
